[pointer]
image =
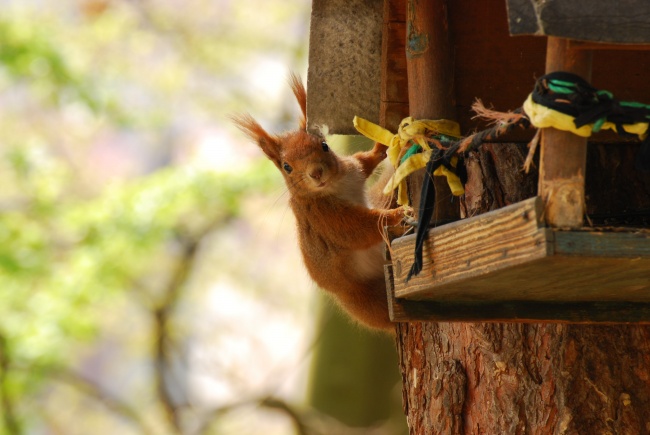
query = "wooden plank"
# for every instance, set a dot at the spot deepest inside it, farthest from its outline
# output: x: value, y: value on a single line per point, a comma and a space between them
x: 552, y: 278
x: 394, y: 305
x: 632, y: 244
x: 604, y: 312
x: 591, y: 20
x: 588, y: 45
x: 521, y: 312
x: 472, y: 247
x: 405, y: 310
x: 522, y: 18
x: 563, y: 156
x: 507, y: 255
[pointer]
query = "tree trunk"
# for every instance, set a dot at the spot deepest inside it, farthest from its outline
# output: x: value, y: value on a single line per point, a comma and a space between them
x: 508, y: 378
x: 354, y: 375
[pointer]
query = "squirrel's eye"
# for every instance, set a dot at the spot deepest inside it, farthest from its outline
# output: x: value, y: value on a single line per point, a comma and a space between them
x: 287, y: 168
x: 326, y: 147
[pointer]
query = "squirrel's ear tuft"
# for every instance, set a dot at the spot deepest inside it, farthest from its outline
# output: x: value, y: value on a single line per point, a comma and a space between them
x: 301, y: 95
x: 251, y: 128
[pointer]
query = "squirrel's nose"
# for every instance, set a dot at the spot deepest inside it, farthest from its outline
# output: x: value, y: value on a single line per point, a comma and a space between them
x: 316, y: 173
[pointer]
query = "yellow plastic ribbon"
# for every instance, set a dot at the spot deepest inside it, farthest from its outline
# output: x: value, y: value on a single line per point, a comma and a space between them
x: 410, y: 131
x: 542, y: 117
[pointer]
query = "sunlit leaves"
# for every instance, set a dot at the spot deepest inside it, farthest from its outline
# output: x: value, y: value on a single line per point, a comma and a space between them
x: 88, y: 87
x: 55, y: 265
x: 26, y: 53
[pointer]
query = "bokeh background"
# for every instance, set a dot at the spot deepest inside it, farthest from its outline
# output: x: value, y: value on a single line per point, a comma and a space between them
x: 150, y: 281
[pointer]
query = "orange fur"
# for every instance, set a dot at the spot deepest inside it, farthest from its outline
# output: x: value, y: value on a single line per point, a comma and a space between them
x: 338, y: 232
x: 301, y: 95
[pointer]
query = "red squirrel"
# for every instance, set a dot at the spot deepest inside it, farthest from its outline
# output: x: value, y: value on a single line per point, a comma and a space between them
x: 338, y: 232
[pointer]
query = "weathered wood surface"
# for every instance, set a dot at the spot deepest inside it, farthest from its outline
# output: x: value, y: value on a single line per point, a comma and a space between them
x: 471, y: 248
x: 622, y: 244
x: 406, y: 310
x: 623, y: 21
x: 344, y: 63
x: 508, y: 255
x: 556, y: 278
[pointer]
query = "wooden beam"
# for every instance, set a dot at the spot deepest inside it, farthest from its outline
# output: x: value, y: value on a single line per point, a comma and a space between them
x: 430, y: 67
x: 469, y: 248
x: 625, y: 22
x: 404, y: 310
x: 343, y: 79
x: 429, y: 60
x: 393, y: 106
x: 591, y: 45
x: 563, y: 155
x: 509, y: 255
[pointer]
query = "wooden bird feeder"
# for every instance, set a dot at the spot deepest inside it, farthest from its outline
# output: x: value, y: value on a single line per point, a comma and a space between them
x: 533, y: 260
x: 509, y: 265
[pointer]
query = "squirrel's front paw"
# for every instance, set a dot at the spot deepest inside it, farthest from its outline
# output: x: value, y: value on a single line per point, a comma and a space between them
x: 409, y: 219
x: 400, y: 215
x: 409, y: 213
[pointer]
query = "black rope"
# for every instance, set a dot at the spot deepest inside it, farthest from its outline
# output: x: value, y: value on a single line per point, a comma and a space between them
x: 442, y: 157
x: 572, y: 95
x: 427, y: 204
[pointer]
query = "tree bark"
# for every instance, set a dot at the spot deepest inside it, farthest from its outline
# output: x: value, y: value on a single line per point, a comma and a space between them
x: 493, y: 378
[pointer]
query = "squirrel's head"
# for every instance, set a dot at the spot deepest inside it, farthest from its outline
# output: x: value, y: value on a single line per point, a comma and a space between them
x: 307, y: 163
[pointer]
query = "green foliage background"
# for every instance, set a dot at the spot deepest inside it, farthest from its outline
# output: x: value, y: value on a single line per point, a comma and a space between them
x: 113, y: 224
x: 75, y: 247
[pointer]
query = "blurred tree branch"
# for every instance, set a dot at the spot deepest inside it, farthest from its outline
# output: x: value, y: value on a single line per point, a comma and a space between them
x: 295, y: 417
x: 72, y: 250
x: 84, y: 386
x: 305, y: 421
x: 164, y: 345
x: 91, y: 389
x: 298, y: 418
